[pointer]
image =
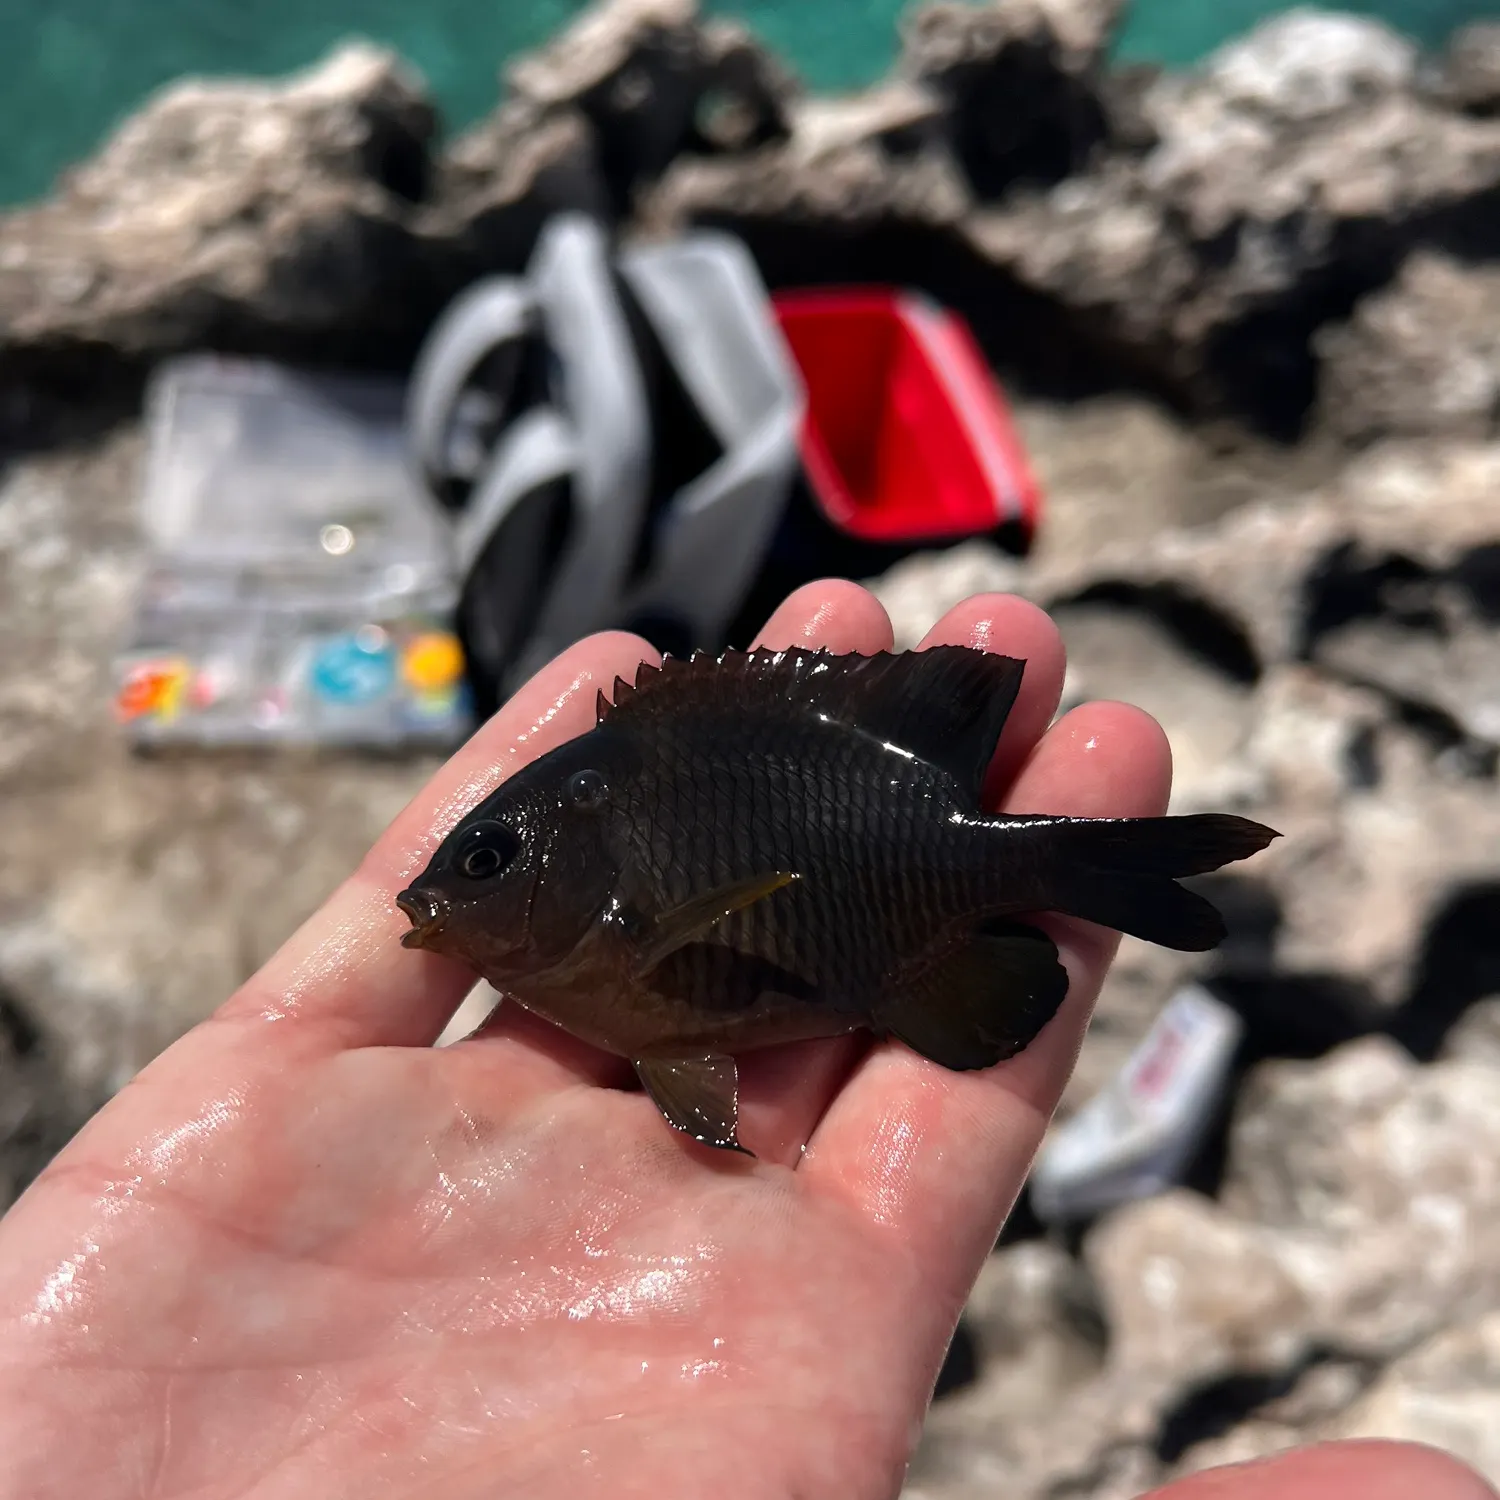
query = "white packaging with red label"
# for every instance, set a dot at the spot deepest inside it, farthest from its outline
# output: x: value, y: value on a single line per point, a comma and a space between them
x: 1138, y: 1135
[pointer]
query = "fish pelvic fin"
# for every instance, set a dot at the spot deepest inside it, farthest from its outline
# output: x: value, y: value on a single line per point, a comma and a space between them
x: 689, y: 922
x: 1123, y: 872
x: 696, y: 1095
x: 980, y: 1003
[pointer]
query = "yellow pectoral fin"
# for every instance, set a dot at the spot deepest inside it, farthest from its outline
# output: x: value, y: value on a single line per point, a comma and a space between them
x: 693, y: 918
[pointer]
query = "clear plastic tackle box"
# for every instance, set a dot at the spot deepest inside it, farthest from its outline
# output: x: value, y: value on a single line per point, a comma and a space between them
x: 300, y: 584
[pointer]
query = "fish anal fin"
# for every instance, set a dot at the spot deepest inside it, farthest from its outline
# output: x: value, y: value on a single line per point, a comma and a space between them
x: 982, y: 1002
x: 697, y: 1095
x: 945, y: 705
x: 675, y: 928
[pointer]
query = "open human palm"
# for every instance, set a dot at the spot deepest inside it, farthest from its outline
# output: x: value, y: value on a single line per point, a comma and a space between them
x: 306, y: 1253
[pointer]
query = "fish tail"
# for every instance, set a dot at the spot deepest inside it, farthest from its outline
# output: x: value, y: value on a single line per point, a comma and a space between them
x: 1123, y: 873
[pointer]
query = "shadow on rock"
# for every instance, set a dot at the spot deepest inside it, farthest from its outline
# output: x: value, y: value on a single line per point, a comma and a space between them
x: 39, y: 1110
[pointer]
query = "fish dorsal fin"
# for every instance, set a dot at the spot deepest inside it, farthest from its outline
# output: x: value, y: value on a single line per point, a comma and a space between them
x: 946, y: 705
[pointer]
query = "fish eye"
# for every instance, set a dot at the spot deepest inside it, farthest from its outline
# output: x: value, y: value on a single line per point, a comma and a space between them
x: 485, y: 850
x: 587, y: 790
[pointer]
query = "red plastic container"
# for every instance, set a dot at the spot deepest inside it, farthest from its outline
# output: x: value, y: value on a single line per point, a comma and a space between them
x: 907, y: 437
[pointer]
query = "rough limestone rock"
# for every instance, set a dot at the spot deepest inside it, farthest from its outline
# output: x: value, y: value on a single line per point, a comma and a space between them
x: 135, y: 893
x: 1093, y: 503
x: 496, y: 186
x: 1288, y: 573
x: 1037, y: 1338
x: 1471, y: 70
x: 1420, y: 357
x: 230, y: 209
x: 1326, y: 661
x: 1445, y: 1393
x: 310, y: 219
x: 1341, y: 1288
x: 1199, y: 249
x: 1476, y: 1035
x: 897, y: 116
x: 790, y: 202
x: 1298, y: 162
x: 1191, y: 1292
x: 1388, y: 1208
x: 654, y: 81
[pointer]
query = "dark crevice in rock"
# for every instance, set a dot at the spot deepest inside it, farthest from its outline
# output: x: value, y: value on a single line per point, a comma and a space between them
x: 1421, y: 637
x: 39, y: 1110
x: 400, y: 163
x: 1252, y: 917
x: 17, y: 1031
x: 65, y: 398
x: 1198, y: 627
x: 1462, y: 752
x: 1349, y: 585
x: 1022, y: 1223
x: 1265, y: 367
x: 1362, y: 759
x: 1022, y: 120
x: 1285, y: 1015
x: 1296, y: 1016
x: 960, y: 1364
x: 1212, y: 1408
x: 1460, y: 964
x: 1469, y: 230
x: 1478, y: 573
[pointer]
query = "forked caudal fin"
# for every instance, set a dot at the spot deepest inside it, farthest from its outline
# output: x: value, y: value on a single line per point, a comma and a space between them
x: 1123, y: 873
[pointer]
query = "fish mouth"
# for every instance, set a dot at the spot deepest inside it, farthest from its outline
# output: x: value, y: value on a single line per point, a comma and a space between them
x: 428, y: 914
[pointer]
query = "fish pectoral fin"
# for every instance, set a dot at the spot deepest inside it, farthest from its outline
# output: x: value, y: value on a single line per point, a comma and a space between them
x: 981, y: 1003
x: 698, y: 1095
x: 687, y: 923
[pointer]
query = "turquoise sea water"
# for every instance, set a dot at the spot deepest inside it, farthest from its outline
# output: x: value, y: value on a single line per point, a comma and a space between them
x: 69, y: 69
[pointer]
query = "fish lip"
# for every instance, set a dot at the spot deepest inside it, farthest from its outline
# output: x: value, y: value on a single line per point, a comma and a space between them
x: 427, y: 912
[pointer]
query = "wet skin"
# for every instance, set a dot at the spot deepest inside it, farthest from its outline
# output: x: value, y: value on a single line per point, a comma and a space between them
x: 305, y: 1254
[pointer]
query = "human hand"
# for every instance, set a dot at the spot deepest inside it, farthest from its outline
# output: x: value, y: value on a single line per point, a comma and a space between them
x: 305, y: 1253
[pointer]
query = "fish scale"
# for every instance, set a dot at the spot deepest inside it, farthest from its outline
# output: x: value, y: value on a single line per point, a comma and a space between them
x: 781, y: 846
x: 866, y: 865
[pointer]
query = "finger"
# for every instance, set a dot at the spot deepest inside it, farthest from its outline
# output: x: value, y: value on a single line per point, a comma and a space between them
x: 830, y: 615
x: 345, y: 972
x: 935, y: 1158
x: 1337, y: 1471
x: 784, y: 1090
